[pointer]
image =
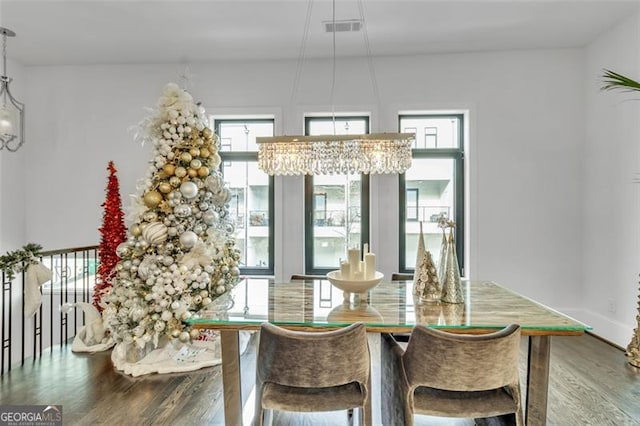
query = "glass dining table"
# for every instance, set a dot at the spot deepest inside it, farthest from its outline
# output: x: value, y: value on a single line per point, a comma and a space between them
x: 316, y: 305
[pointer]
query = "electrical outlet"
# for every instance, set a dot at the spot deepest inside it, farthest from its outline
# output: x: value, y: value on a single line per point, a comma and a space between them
x: 611, y: 307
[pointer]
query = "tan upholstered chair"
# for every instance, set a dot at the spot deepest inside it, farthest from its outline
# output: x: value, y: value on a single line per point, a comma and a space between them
x: 452, y: 375
x: 300, y: 277
x: 309, y: 371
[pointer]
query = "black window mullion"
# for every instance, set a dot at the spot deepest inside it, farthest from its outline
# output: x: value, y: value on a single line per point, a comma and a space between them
x: 308, y: 225
x: 459, y: 213
x: 402, y: 214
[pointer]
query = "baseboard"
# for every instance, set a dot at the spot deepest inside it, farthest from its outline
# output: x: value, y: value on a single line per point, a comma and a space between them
x: 608, y: 342
x: 612, y: 332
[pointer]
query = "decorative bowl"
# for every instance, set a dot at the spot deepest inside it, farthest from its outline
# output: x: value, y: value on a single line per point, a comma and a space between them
x: 351, y: 286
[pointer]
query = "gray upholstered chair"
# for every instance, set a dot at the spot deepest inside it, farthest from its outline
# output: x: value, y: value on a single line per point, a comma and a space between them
x: 452, y: 375
x: 313, y: 371
x: 398, y: 276
x: 301, y: 277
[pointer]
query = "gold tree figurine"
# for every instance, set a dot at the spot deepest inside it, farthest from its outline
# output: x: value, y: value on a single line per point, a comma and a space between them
x: 633, y: 349
x: 426, y: 286
x: 451, y: 284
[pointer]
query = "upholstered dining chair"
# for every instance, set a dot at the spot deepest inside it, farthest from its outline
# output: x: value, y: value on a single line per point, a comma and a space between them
x: 398, y: 276
x: 313, y: 371
x: 452, y: 375
x: 301, y: 277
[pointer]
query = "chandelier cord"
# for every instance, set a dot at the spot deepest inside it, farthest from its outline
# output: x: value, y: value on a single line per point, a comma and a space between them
x: 333, y: 65
x: 5, y: 80
x: 4, y: 54
x: 186, y: 78
x: 301, y: 53
x: 372, y: 70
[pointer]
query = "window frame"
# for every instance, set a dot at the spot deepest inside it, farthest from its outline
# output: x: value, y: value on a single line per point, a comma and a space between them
x: 227, y: 158
x: 458, y: 157
x: 365, y: 198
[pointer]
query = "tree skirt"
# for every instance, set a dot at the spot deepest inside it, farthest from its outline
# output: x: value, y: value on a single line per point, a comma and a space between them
x: 92, y: 337
x: 84, y: 342
x: 172, y: 357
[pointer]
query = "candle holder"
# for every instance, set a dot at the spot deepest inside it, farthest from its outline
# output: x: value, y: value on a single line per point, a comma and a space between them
x: 354, y: 286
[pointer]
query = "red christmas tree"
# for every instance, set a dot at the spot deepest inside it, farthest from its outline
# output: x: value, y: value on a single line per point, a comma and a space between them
x: 113, y: 234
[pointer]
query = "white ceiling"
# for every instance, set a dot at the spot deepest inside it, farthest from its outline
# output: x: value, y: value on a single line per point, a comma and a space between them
x: 185, y: 31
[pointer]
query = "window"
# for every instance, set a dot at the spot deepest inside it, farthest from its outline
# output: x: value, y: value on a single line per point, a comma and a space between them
x: 336, y: 206
x: 430, y: 137
x: 251, y: 203
x: 433, y: 187
x: 320, y: 209
x: 413, y: 204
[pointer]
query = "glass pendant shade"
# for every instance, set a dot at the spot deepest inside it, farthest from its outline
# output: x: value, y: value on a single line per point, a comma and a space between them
x: 7, y: 121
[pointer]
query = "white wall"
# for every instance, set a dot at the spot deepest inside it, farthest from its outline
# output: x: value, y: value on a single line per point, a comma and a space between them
x: 611, y: 210
x: 13, y: 168
x: 527, y: 109
x: 524, y: 186
x: 12, y: 182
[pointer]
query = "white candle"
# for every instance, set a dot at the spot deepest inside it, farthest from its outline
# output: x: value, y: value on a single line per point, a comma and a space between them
x: 354, y: 260
x: 345, y: 270
x: 357, y: 276
x: 369, y: 266
x: 366, y: 248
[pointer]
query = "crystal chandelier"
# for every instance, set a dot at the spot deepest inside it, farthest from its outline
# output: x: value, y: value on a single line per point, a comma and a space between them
x: 11, y: 110
x: 335, y: 154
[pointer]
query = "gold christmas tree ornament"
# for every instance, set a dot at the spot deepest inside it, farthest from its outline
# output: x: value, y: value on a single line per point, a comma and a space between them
x: 451, y: 285
x: 443, y: 255
x: 421, y: 249
x: 426, y: 286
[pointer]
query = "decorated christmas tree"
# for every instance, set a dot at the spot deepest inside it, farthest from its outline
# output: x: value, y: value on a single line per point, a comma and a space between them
x: 426, y: 286
x: 113, y: 234
x: 180, y: 254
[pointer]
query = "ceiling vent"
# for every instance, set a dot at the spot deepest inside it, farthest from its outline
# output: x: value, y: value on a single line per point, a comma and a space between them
x: 347, y: 25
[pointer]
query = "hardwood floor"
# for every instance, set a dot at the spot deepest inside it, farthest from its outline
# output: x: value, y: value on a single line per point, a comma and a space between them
x: 590, y: 384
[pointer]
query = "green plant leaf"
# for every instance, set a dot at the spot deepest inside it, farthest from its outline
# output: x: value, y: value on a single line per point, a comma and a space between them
x: 614, y: 81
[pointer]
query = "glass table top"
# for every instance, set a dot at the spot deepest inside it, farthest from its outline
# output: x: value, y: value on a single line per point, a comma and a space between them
x: 388, y: 307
